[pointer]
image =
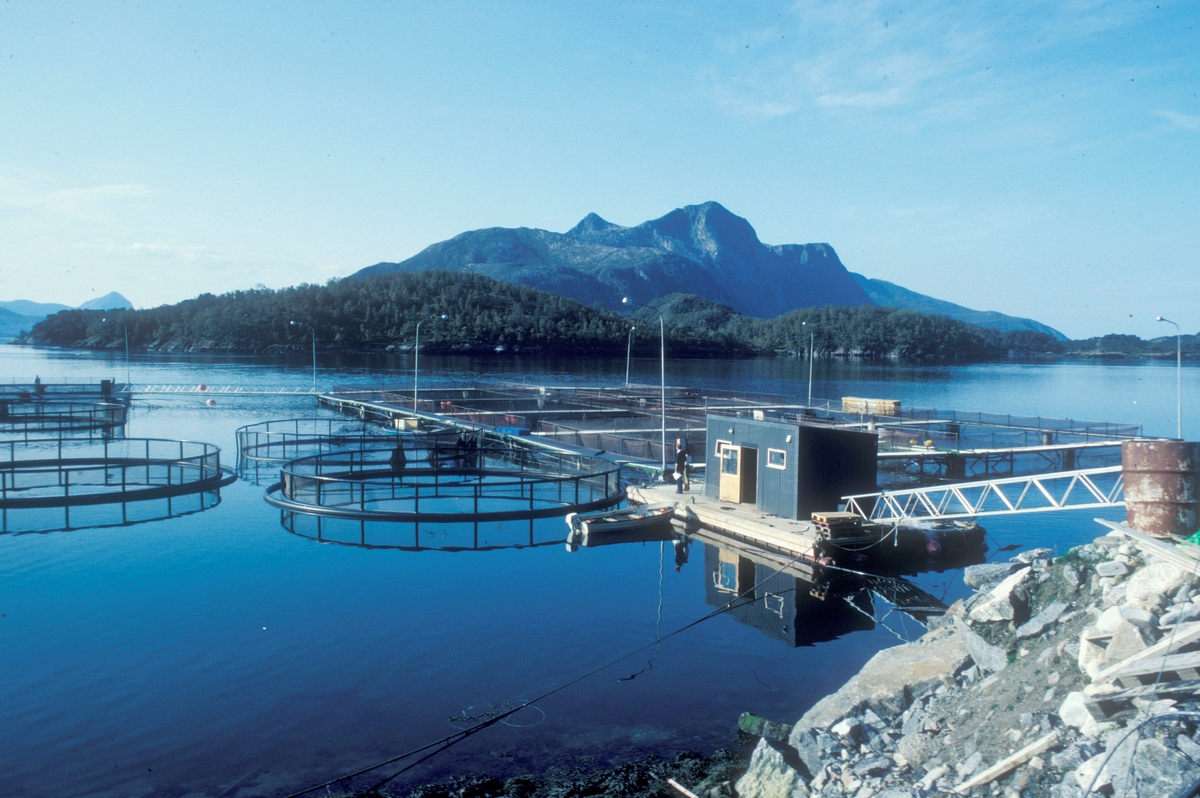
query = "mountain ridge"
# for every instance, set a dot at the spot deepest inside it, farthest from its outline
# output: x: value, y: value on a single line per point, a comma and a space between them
x: 698, y: 249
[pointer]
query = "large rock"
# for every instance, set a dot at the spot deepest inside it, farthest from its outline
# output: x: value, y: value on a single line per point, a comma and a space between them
x: 1181, y: 614
x: 977, y: 576
x: 770, y: 776
x: 998, y: 605
x: 1128, y: 639
x: 1112, y: 617
x: 1111, y: 569
x: 1150, y: 769
x: 1153, y: 580
x: 987, y: 656
x: 889, y: 680
x: 1037, y: 623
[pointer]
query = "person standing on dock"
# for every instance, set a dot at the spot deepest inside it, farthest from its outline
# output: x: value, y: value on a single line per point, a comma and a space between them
x: 687, y: 465
x: 680, y: 466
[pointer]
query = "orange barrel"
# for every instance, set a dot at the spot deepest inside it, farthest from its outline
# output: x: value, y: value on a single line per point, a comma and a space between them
x: 1162, y: 486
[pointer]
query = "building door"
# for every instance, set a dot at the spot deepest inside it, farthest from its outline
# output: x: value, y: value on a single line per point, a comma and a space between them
x: 749, y: 476
x: 731, y: 483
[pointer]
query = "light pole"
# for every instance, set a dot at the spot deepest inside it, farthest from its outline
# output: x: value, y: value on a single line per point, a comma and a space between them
x: 662, y: 357
x: 417, y: 356
x: 1178, y: 378
x: 127, y: 380
x: 628, y: 349
x: 811, y: 337
x: 314, y: 342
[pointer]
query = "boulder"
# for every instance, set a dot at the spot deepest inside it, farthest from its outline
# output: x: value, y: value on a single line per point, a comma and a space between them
x: 808, y: 746
x: 916, y: 748
x: 1127, y: 640
x: 1071, y: 577
x: 998, y: 604
x: 977, y: 576
x: 987, y: 656
x: 770, y: 777
x: 872, y: 766
x: 1112, y: 617
x: 1037, y: 623
x: 1112, y: 569
x: 1150, y: 769
x: 1028, y: 557
x: 1158, y: 579
x: 890, y: 678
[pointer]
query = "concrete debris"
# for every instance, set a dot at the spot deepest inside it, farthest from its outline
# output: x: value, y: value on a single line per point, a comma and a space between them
x: 987, y: 703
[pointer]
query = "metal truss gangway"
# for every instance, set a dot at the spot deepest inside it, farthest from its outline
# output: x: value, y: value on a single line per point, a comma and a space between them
x: 226, y: 390
x: 1065, y: 490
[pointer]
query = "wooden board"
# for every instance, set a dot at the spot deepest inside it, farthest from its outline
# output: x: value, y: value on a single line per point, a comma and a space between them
x: 1103, y: 707
x: 1185, y: 634
x: 1173, y: 668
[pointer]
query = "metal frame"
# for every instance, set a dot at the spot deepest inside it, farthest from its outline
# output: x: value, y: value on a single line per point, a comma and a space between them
x: 359, y: 485
x: 1066, y: 490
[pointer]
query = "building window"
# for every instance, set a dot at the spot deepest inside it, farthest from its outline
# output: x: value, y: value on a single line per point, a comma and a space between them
x: 777, y: 458
x: 729, y: 461
x: 721, y: 443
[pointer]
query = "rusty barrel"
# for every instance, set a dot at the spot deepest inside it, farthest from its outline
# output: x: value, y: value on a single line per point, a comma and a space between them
x: 1162, y: 486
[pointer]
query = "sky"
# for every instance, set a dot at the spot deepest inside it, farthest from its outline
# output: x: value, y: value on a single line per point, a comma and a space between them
x: 1042, y: 160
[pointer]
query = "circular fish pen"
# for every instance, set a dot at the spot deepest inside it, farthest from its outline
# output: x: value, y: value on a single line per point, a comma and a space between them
x: 430, y: 479
x: 60, y: 476
x: 37, y: 418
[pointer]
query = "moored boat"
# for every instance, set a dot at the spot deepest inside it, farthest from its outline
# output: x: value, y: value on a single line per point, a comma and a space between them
x: 630, y: 525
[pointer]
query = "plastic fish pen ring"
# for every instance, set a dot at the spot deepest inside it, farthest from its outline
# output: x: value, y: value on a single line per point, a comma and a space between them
x: 446, y: 482
x: 72, y: 473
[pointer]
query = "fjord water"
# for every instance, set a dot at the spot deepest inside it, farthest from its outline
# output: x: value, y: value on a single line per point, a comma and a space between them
x: 217, y: 654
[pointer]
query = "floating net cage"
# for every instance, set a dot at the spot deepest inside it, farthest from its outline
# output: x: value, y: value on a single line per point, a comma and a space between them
x: 267, y: 444
x: 35, y: 419
x: 66, y: 484
x: 464, y: 535
x: 445, y: 479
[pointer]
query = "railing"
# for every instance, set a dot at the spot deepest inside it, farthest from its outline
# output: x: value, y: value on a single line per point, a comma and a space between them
x: 281, y: 440
x: 64, y: 472
x: 446, y: 483
x: 36, y: 417
x: 1067, y: 490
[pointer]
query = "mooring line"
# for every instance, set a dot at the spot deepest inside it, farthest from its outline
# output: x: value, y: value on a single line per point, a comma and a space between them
x: 452, y: 739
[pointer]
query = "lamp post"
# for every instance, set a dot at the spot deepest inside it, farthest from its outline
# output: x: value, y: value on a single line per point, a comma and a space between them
x: 662, y: 356
x: 811, y: 337
x: 417, y: 356
x: 127, y: 380
x: 628, y: 349
x: 314, y: 343
x: 1178, y: 378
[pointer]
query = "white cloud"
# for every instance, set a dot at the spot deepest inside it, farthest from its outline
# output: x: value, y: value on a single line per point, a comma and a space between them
x: 1185, y: 121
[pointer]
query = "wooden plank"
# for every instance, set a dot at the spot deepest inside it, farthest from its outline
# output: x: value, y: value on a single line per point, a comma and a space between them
x: 1173, y: 668
x: 1159, y: 547
x: 1185, y: 634
x: 1005, y: 765
x: 1103, y: 707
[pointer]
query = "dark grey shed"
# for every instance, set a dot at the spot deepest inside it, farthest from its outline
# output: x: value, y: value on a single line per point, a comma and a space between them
x: 785, y: 468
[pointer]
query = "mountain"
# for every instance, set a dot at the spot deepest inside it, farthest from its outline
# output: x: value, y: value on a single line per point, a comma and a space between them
x: 17, y: 315
x: 24, y: 307
x: 13, y: 324
x: 698, y: 249
x: 890, y: 295
x: 110, y: 301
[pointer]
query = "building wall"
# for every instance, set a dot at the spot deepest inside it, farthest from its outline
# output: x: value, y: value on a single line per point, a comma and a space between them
x: 821, y: 464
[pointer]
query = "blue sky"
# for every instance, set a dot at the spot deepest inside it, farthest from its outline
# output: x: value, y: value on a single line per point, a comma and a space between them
x: 1042, y: 160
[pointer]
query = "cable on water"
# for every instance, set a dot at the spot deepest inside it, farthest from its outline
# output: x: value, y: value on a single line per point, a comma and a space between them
x: 452, y: 739
x: 658, y: 627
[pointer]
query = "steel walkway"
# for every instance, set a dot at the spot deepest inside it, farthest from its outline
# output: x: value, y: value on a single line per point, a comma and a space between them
x: 1065, y: 490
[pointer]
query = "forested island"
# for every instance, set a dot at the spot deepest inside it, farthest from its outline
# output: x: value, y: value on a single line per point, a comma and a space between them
x: 485, y: 315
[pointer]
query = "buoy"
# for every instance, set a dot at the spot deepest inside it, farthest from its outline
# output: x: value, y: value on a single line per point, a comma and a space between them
x: 211, y: 403
x: 203, y: 387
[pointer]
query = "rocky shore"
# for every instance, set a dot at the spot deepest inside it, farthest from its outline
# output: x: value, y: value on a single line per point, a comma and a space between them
x: 1021, y: 690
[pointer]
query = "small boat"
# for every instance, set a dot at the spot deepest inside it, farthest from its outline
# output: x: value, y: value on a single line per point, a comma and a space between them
x: 631, y: 525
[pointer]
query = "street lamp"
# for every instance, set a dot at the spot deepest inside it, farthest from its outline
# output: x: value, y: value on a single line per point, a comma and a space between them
x: 628, y: 349
x: 662, y: 356
x: 1178, y: 378
x: 417, y: 356
x: 127, y: 380
x: 314, y: 342
x: 811, y: 338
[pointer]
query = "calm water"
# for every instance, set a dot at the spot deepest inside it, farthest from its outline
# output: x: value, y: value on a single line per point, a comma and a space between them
x: 217, y: 654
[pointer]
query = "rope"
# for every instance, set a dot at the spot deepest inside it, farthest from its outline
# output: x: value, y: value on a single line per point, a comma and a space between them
x: 452, y: 739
